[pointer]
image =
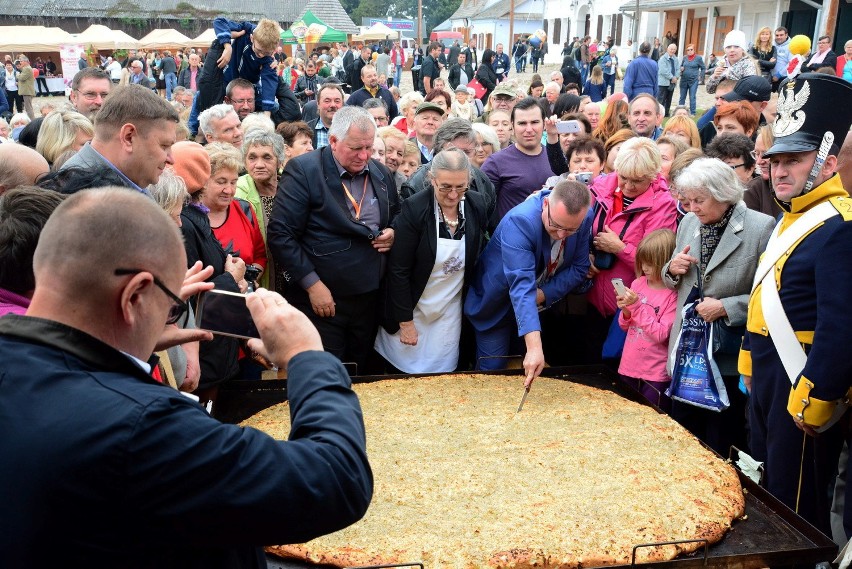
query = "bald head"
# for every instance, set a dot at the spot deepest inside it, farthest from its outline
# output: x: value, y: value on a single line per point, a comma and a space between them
x: 20, y: 166
x: 91, y: 235
x: 128, y: 227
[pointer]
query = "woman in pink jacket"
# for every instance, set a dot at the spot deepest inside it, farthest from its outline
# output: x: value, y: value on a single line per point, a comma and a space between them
x: 630, y: 203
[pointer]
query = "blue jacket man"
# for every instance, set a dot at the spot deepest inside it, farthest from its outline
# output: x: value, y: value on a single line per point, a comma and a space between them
x: 641, y: 74
x: 538, y: 254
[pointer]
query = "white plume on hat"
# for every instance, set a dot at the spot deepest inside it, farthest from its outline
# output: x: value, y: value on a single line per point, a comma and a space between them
x: 735, y: 38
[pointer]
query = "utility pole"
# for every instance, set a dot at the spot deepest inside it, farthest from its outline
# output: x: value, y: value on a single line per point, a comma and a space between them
x: 419, y: 22
x: 636, y: 15
x: 511, y: 29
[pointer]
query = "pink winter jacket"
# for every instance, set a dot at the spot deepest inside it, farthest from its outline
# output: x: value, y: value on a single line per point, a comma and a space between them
x: 646, y: 348
x: 654, y: 209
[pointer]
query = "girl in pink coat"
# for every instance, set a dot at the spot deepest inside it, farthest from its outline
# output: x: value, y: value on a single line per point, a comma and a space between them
x: 647, y: 315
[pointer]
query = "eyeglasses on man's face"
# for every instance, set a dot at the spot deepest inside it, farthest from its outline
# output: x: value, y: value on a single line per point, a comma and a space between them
x: 177, y: 309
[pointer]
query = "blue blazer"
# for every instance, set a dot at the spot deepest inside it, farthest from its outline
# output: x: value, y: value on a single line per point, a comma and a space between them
x: 514, y: 257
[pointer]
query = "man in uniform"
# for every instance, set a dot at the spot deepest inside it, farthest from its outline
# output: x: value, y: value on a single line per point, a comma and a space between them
x: 799, y: 310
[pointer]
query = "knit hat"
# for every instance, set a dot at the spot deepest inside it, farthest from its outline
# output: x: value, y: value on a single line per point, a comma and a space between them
x: 192, y: 163
x: 735, y: 38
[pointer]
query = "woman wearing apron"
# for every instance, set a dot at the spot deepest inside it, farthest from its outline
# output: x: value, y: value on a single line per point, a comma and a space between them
x: 438, y: 237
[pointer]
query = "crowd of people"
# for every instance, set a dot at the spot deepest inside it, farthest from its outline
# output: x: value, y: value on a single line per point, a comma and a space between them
x: 462, y: 225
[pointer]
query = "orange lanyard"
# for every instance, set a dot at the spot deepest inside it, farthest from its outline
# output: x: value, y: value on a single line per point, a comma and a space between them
x: 356, y: 205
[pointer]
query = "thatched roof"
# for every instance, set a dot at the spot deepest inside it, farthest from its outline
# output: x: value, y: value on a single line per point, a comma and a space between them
x: 332, y: 14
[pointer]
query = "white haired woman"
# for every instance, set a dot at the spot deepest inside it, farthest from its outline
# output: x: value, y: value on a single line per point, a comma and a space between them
x: 437, y: 240
x: 263, y: 155
x: 629, y: 203
x: 407, y: 105
x: 718, y: 243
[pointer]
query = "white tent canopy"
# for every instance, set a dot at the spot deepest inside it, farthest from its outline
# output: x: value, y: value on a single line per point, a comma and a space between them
x: 204, y: 39
x: 32, y: 39
x: 103, y: 38
x: 164, y: 38
x: 377, y: 31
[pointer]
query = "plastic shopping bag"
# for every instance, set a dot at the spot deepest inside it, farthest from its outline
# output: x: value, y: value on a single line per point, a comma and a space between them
x: 695, y: 376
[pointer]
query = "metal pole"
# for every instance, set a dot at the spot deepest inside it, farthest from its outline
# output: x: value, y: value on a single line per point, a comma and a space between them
x: 419, y: 22
x: 511, y: 30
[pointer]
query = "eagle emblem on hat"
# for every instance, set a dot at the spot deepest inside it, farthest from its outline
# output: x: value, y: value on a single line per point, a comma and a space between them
x: 790, y: 116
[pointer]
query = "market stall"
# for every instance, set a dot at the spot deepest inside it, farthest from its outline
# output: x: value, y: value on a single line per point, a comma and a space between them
x: 376, y: 32
x: 102, y: 38
x: 165, y: 38
x: 204, y: 39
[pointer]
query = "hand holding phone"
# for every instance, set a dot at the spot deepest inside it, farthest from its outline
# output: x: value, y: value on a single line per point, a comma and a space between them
x: 618, y: 285
x: 225, y: 313
x: 568, y: 127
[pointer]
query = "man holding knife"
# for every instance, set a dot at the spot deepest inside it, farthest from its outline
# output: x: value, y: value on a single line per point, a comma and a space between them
x: 538, y: 254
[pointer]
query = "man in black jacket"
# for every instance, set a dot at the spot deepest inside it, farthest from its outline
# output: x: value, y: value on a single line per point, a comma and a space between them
x: 460, y: 73
x: 111, y: 271
x: 431, y: 68
x: 372, y: 90
x: 355, y: 73
x: 330, y: 229
x: 306, y: 85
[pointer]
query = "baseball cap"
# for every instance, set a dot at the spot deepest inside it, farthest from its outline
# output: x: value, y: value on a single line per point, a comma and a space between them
x: 754, y: 88
x: 505, y: 90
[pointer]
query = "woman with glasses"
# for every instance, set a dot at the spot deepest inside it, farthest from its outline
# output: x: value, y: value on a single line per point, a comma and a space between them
x: 719, y: 243
x: 487, y: 143
x: 438, y: 238
x: 758, y: 194
x: 737, y: 151
x: 629, y: 204
x: 692, y: 69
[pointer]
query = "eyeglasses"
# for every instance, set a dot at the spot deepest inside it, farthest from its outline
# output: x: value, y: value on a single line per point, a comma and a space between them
x: 556, y: 226
x: 242, y: 102
x: 735, y: 166
x: 756, y: 154
x: 460, y: 190
x: 91, y: 96
x: 179, y: 307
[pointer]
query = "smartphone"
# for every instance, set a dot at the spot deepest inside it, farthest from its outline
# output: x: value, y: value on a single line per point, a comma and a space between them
x: 585, y: 177
x: 618, y: 285
x: 568, y: 127
x: 225, y: 313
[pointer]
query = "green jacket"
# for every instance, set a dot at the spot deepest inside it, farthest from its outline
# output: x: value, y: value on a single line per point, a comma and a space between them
x: 26, y: 82
x: 246, y: 190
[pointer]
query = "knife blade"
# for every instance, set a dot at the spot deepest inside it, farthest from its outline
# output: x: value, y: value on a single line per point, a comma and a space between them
x: 523, y: 398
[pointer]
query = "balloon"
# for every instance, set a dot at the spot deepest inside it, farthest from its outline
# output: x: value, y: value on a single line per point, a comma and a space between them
x: 35, y: 73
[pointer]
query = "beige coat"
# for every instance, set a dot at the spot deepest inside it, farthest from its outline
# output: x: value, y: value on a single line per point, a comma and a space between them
x: 26, y: 81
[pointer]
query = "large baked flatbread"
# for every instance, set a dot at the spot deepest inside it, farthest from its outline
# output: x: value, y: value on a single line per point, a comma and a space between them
x: 576, y: 479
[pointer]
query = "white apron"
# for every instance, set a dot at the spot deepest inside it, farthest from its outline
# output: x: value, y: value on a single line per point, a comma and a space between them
x: 437, y: 317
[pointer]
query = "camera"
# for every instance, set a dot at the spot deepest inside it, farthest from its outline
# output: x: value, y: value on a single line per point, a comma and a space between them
x: 251, y: 276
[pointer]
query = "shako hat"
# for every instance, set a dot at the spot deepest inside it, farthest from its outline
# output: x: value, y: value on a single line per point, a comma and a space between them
x: 811, y: 107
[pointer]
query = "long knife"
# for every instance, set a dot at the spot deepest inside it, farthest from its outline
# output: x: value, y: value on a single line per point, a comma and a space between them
x: 524, y: 398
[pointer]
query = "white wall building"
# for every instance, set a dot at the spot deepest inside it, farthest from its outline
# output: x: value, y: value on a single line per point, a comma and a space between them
x: 566, y: 19
x: 487, y: 21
